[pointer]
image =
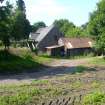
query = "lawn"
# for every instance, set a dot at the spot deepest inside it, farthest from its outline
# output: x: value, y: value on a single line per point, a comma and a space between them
x: 20, y: 60
x: 56, y: 88
x: 84, y: 86
x: 98, y: 61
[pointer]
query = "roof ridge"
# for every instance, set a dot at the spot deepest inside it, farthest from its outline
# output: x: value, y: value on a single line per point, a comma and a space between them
x: 44, y: 32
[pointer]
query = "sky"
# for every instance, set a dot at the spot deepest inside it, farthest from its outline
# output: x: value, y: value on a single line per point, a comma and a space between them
x: 76, y: 11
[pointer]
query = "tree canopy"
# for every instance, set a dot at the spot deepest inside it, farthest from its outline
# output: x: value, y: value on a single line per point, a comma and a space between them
x: 5, y: 23
x: 37, y: 25
x: 97, y: 20
x: 13, y: 22
x: 64, y: 25
x: 96, y: 26
x: 21, y: 25
x: 69, y: 29
x: 21, y: 6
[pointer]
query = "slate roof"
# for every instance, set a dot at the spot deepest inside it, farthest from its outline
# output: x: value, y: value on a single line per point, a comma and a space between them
x: 40, y: 33
x: 77, y: 42
x: 54, y: 46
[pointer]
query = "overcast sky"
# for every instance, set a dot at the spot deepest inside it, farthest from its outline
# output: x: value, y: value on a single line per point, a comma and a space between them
x: 76, y: 11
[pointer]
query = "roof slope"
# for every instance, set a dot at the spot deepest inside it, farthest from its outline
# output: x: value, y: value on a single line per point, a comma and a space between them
x: 77, y: 42
x: 41, y: 33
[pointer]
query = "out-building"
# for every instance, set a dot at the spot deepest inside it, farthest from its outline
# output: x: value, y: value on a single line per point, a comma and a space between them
x: 76, y: 46
x: 45, y: 37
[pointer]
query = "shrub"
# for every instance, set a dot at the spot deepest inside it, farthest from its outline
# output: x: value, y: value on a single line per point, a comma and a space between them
x: 97, y: 98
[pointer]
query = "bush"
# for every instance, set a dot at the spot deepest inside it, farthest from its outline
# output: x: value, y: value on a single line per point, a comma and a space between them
x: 97, y: 98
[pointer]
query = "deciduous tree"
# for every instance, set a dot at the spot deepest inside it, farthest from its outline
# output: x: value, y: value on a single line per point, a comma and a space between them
x: 37, y: 25
x: 5, y: 24
x: 96, y: 26
x: 21, y: 25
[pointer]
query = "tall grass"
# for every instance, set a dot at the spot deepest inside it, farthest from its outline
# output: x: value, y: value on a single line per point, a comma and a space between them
x: 96, y: 98
x: 17, y: 61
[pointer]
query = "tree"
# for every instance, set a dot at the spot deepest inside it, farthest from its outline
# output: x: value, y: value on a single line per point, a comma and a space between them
x: 96, y: 26
x: 100, y: 44
x: 85, y: 31
x: 27, y: 29
x: 64, y: 25
x: 5, y: 24
x: 69, y: 29
x: 21, y: 6
x: 97, y: 20
x: 37, y: 25
x: 74, y: 32
x: 21, y: 25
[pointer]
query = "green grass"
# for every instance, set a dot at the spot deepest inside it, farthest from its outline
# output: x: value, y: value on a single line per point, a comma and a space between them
x: 77, y: 84
x: 98, y: 61
x: 17, y: 61
x: 96, y: 98
x: 26, y: 94
x: 96, y: 84
x: 82, y: 69
x: 68, y: 57
x: 42, y: 90
x: 22, y: 97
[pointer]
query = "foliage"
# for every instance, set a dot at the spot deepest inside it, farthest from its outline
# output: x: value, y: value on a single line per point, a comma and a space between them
x: 13, y: 23
x: 37, y: 25
x: 96, y: 26
x: 69, y: 29
x: 21, y: 25
x: 20, y: 61
x: 75, y: 32
x: 5, y: 23
x: 97, y: 98
x: 64, y: 25
x: 100, y: 44
x: 21, y: 5
x: 10, y: 63
x: 21, y: 98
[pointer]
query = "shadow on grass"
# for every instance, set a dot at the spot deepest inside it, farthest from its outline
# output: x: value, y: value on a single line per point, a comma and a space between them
x: 49, y: 72
x: 11, y: 64
x: 81, y: 69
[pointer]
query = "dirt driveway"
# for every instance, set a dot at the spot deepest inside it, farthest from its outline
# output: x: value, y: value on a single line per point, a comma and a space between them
x: 55, y: 68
